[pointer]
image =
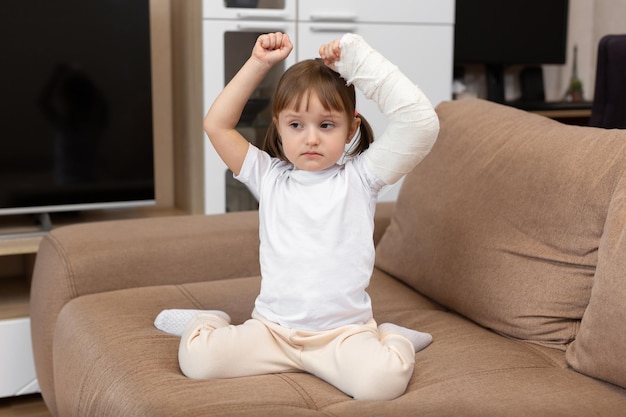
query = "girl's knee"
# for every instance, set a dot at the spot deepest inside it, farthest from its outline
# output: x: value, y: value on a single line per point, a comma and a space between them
x: 193, y: 361
x: 380, y: 384
x: 198, y: 354
x: 204, y: 363
x: 379, y: 389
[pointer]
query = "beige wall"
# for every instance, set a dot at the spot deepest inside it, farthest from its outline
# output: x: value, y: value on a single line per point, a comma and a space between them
x: 188, y: 108
x: 160, y: 27
x: 589, y: 21
x: 176, y: 57
x: 609, y: 18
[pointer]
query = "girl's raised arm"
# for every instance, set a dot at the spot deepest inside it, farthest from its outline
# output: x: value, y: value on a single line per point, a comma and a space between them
x: 413, y: 124
x: 224, y: 114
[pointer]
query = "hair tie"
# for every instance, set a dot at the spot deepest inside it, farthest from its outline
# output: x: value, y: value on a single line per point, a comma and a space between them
x: 356, y: 112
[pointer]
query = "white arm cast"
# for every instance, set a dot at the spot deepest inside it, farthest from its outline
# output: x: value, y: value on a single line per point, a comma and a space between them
x: 413, y: 124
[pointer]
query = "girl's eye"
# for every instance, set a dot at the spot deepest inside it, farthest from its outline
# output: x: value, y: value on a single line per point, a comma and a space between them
x: 327, y: 125
x: 295, y: 125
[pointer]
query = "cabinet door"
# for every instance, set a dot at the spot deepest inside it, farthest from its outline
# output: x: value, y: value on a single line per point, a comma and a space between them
x: 227, y: 45
x: 390, y: 11
x: 249, y: 9
x: 16, y: 358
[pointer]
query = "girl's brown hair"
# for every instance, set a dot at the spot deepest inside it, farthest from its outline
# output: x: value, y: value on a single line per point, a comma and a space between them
x: 298, y: 82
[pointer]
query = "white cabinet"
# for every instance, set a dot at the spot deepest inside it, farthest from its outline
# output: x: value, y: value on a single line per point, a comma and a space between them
x: 389, y: 11
x: 416, y: 35
x: 17, y: 369
x: 249, y: 9
x: 16, y: 358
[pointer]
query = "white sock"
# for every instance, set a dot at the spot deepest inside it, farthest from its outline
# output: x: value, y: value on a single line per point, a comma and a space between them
x: 419, y: 339
x: 175, y: 321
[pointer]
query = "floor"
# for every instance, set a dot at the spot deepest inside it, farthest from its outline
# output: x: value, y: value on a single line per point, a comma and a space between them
x: 23, y: 406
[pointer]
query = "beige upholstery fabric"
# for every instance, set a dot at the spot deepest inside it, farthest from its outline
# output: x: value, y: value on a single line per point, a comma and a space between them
x: 600, y: 346
x: 502, y: 221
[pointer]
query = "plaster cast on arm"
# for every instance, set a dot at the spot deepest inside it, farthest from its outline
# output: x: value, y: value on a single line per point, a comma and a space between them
x: 413, y: 124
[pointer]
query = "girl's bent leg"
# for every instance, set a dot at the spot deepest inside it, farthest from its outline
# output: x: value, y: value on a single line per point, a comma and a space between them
x: 210, y: 348
x: 363, y: 363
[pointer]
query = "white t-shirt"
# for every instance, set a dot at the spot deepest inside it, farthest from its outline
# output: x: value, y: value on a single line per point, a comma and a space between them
x: 317, y: 251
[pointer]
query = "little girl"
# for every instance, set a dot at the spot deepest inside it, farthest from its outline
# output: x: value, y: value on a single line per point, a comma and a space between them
x: 313, y: 313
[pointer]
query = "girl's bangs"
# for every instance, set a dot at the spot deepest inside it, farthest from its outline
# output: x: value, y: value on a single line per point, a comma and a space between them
x: 297, y: 90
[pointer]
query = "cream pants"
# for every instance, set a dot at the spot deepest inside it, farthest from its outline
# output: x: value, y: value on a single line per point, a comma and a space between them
x: 356, y: 359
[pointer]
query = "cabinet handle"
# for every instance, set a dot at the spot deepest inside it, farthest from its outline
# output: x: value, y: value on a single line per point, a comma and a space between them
x: 333, y: 17
x: 260, y: 27
x: 333, y: 28
x: 263, y: 15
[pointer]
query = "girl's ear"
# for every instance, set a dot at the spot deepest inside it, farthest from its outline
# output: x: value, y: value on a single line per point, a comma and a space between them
x: 354, y: 127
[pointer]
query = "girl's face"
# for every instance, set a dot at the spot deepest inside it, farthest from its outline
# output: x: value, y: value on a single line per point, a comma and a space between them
x: 313, y: 138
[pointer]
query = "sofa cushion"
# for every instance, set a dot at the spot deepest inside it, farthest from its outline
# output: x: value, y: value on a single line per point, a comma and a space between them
x: 110, y: 360
x: 600, y: 346
x: 501, y: 221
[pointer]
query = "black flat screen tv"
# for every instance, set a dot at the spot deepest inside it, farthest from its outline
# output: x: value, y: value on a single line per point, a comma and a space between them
x: 76, y: 122
x: 500, y: 33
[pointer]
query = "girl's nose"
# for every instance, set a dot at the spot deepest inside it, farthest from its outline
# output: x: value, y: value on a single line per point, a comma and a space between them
x: 311, y: 138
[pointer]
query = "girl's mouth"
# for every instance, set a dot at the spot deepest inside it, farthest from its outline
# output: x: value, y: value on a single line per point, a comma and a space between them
x: 312, y: 154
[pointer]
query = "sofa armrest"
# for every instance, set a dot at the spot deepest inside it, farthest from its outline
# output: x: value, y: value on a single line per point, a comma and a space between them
x: 105, y: 256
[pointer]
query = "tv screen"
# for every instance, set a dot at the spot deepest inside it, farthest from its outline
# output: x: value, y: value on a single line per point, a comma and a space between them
x: 510, y: 32
x: 76, y: 105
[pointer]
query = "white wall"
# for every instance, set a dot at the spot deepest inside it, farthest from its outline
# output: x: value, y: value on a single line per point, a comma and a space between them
x: 589, y: 21
x: 609, y: 18
x: 580, y: 33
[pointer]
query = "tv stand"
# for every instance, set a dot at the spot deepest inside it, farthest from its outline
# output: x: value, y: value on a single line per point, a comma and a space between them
x: 494, y: 74
x: 539, y: 106
x: 33, y: 225
x: 43, y: 219
x: 568, y: 112
x: 530, y: 79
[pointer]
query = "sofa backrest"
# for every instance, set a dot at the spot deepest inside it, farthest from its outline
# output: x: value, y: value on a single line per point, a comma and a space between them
x: 502, y: 221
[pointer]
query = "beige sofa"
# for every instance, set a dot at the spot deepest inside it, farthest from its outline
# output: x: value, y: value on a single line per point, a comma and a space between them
x: 507, y: 243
